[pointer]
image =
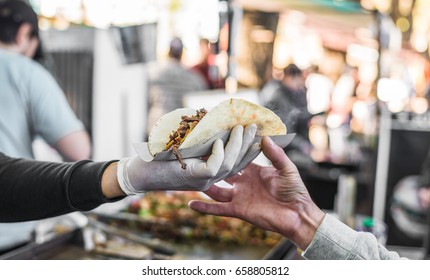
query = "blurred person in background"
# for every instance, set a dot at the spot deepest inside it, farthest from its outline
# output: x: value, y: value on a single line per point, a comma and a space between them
x: 318, y: 90
x: 169, y: 81
x: 31, y: 102
x: 427, y: 80
x: 344, y: 94
x: 287, y: 98
x: 207, y: 68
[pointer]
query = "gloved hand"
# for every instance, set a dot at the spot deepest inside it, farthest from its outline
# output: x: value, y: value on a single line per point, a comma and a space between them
x: 136, y: 176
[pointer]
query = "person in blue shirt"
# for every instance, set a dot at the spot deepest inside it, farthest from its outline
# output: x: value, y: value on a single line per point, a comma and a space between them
x: 31, y: 102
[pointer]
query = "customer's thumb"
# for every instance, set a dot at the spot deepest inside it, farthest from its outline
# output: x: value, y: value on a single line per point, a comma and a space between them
x: 275, y: 154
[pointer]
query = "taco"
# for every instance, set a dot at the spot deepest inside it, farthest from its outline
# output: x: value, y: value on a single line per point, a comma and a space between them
x: 184, y: 128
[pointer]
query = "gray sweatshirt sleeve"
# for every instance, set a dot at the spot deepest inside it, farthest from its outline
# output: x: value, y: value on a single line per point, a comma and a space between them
x: 336, y: 241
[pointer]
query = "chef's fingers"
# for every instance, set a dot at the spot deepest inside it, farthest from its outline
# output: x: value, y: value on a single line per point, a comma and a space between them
x: 231, y: 153
x: 248, y: 138
x: 211, y: 167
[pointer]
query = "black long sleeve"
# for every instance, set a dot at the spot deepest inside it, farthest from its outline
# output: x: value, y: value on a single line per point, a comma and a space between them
x: 32, y: 190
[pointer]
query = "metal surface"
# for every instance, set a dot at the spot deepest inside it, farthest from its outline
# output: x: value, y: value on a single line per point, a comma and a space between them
x: 69, y: 246
x: 281, y: 251
x: 154, y: 244
x: 37, y: 251
x: 69, y: 56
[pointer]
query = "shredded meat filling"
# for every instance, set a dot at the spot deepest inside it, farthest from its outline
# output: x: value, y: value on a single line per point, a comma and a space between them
x: 185, y: 127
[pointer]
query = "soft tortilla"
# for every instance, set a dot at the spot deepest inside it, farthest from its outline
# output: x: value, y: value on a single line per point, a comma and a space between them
x: 160, y: 133
x: 221, y: 118
x: 234, y: 112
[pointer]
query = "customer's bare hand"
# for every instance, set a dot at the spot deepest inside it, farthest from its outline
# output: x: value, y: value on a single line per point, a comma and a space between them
x: 272, y: 198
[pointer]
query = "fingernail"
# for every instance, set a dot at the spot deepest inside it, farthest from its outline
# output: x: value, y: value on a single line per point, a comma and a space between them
x: 256, y: 146
x: 251, y: 129
x: 238, y: 128
x: 271, y: 143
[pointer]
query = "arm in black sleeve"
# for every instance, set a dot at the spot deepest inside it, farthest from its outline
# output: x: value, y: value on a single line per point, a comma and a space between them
x: 31, y: 190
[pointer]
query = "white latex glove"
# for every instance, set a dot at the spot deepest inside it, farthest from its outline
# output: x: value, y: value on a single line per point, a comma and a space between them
x: 237, y: 159
x: 136, y: 176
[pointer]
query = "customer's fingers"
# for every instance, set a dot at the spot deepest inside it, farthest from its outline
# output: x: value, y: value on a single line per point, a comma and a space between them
x: 246, y: 174
x: 218, y: 209
x: 219, y: 194
x: 276, y: 154
x: 212, y: 166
